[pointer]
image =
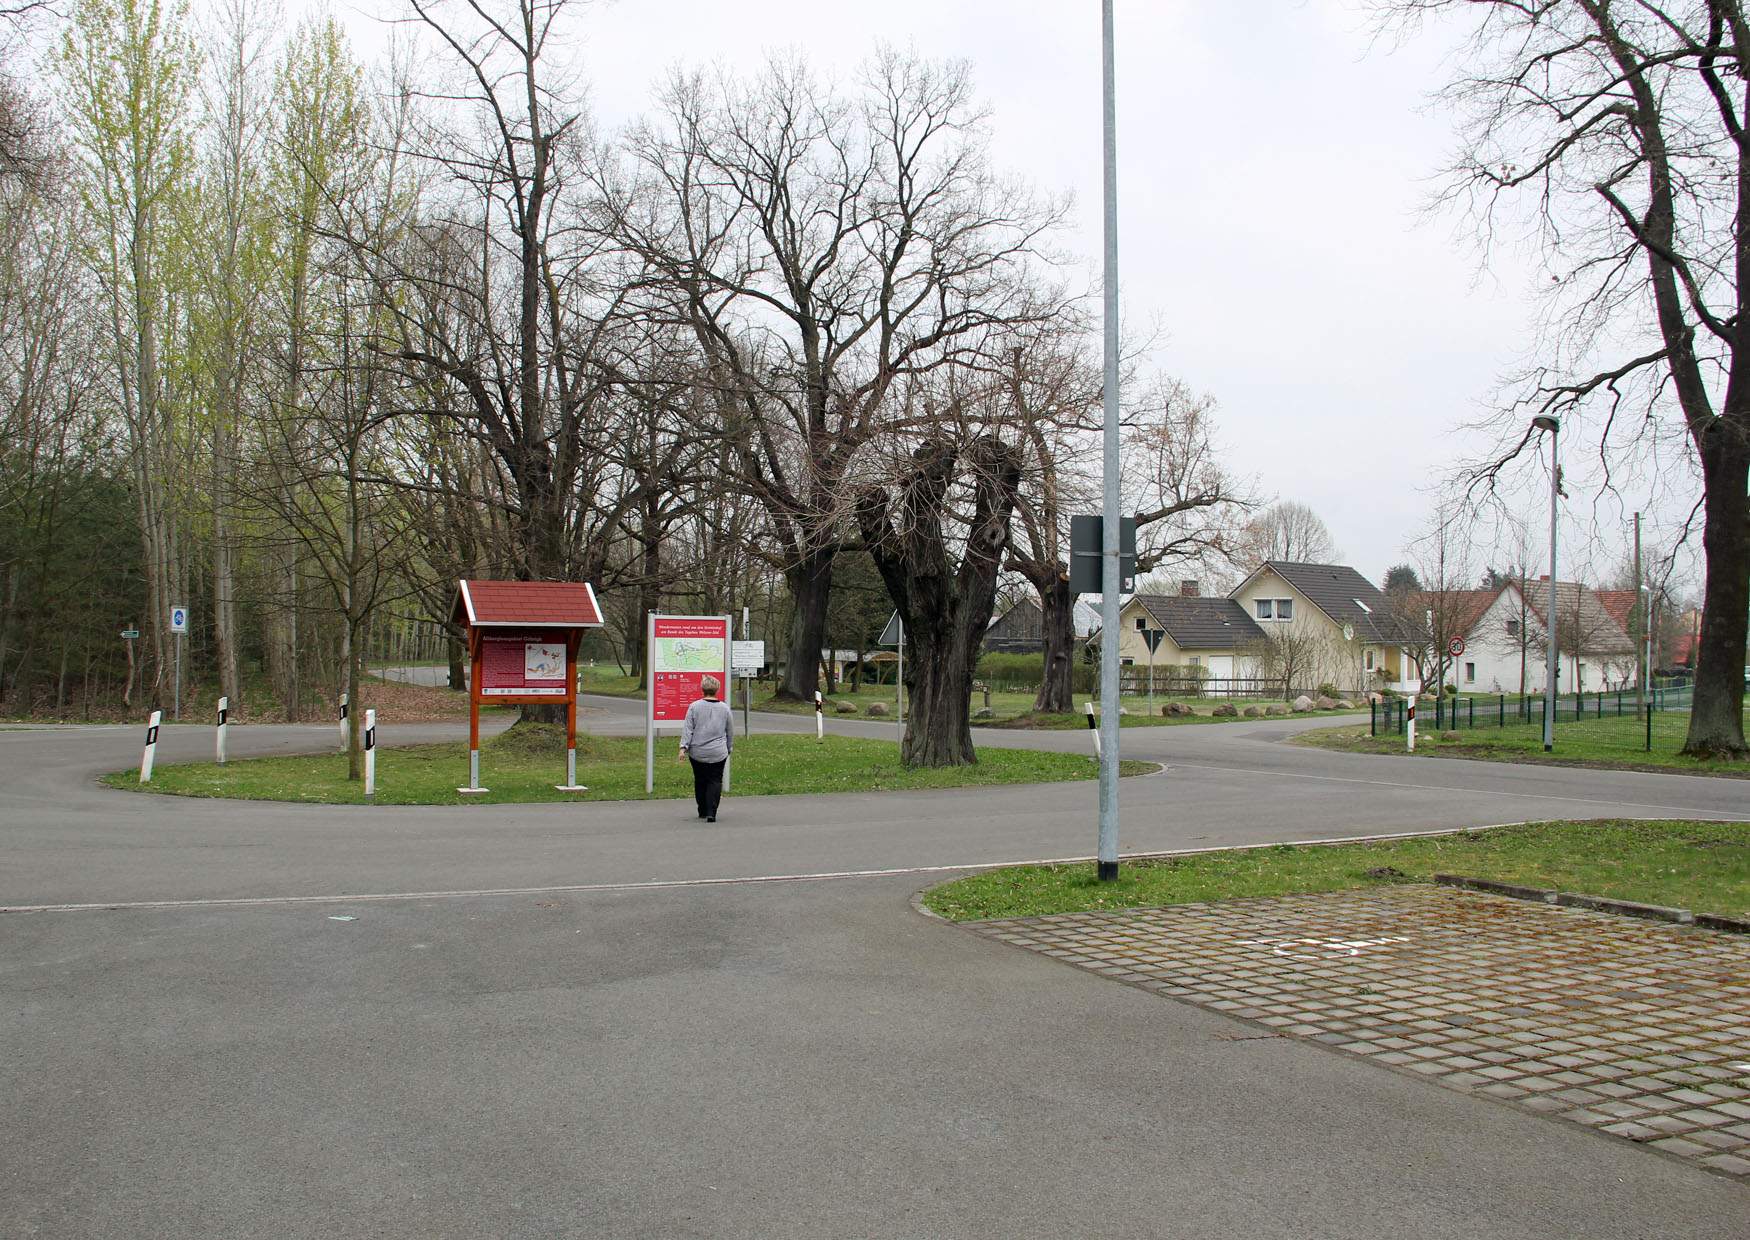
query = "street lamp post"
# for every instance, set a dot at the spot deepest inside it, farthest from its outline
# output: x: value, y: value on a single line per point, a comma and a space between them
x: 1552, y: 424
x: 1107, y: 867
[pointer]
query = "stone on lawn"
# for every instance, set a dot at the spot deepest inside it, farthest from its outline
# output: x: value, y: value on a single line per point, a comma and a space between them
x: 1449, y: 736
x: 984, y: 712
x: 1325, y: 703
x: 877, y: 708
x: 1226, y: 710
x: 1252, y: 712
x: 845, y: 708
x: 1302, y: 704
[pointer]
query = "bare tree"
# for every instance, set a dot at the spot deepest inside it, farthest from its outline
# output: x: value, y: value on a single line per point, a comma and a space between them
x: 1290, y: 532
x: 824, y: 248
x: 959, y: 474
x: 1621, y: 128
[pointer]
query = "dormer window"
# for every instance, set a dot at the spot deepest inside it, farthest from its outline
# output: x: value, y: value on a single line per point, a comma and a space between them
x: 1264, y: 605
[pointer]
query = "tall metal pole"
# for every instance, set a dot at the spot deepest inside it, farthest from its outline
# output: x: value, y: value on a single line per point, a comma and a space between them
x: 1641, y: 601
x: 1550, y: 668
x: 1109, y: 580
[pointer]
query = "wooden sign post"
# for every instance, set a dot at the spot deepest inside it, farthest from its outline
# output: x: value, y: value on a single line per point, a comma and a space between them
x: 522, y: 648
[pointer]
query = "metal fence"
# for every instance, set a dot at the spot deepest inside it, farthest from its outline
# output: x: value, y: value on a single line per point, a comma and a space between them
x: 1452, y: 714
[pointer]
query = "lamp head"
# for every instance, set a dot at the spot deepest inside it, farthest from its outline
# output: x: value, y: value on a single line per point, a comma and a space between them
x: 1547, y: 422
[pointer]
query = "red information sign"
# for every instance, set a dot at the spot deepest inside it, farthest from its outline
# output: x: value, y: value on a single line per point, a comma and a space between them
x: 683, y: 651
x: 522, y: 663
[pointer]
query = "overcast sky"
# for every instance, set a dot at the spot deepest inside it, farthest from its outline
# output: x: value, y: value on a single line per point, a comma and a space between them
x: 1274, y: 168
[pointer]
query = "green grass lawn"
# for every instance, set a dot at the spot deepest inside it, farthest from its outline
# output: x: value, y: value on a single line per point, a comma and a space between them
x: 524, y: 764
x: 607, y: 678
x: 1704, y: 866
x: 1611, y: 741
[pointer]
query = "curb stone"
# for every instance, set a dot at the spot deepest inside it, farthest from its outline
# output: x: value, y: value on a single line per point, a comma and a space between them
x: 1599, y: 904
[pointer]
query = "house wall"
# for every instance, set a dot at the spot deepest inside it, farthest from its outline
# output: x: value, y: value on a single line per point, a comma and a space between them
x: 1496, y: 654
x: 1328, y: 657
x: 1132, y: 649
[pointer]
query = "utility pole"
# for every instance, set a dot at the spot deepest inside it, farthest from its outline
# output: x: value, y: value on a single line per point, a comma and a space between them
x: 1552, y: 424
x: 1109, y: 575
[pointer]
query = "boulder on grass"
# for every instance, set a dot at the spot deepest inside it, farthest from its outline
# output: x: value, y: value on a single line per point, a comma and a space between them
x: 1302, y: 704
x: 1174, y: 710
x: 878, y: 708
x: 984, y: 712
x: 1252, y: 712
x: 1375, y: 698
x: 1449, y: 736
x: 1276, y: 710
x: 1226, y: 710
x: 1325, y: 703
x: 1345, y: 704
x: 845, y: 708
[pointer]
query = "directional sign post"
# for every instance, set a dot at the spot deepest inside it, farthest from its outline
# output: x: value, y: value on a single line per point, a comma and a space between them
x: 1153, y: 638
x: 894, y: 635
x: 179, y: 629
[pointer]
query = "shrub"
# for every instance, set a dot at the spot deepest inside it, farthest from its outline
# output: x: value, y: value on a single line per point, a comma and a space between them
x: 1328, y: 690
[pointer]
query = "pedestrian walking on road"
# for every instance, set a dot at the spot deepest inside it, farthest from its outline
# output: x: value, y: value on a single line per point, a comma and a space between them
x: 707, y: 740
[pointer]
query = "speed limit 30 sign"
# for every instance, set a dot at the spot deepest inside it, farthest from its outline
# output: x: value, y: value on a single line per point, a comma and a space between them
x: 1455, y: 647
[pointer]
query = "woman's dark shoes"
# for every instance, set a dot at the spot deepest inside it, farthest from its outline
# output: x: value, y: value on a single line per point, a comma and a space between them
x: 711, y: 818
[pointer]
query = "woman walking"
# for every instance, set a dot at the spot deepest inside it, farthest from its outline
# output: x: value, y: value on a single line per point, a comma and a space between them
x: 707, y: 739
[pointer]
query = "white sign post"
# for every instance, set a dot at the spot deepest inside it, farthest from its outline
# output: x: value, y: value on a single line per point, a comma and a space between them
x: 370, y: 754
x: 219, y: 739
x: 151, y: 747
x: 179, y: 630
x: 344, y: 707
x: 819, y: 718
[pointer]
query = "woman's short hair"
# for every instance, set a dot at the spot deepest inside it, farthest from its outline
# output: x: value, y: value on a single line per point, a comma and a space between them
x: 709, y: 685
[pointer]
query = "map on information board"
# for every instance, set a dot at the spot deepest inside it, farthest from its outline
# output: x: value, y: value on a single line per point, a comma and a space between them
x: 689, y: 654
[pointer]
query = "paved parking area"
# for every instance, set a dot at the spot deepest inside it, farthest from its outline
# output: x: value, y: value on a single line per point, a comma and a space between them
x: 1639, y: 1029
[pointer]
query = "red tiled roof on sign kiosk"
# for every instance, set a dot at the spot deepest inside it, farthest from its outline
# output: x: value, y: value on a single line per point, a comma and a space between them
x: 528, y: 604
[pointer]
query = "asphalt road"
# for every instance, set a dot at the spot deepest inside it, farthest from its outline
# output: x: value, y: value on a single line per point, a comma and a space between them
x: 597, y: 1020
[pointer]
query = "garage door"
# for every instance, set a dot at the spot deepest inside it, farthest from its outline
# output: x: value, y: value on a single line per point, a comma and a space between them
x: 1221, y: 666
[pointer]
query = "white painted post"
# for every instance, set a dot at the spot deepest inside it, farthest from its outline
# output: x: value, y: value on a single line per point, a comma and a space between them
x: 151, y: 747
x: 370, y: 754
x: 1410, y: 725
x: 224, y: 709
x: 819, y: 718
x: 344, y: 707
x: 1094, y: 728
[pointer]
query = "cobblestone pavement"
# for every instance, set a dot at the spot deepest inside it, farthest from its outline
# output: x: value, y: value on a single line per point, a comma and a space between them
x: 1637, y: 1028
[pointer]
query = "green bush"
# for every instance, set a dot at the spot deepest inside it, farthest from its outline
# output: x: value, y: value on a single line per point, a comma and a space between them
x: 1024, y: 672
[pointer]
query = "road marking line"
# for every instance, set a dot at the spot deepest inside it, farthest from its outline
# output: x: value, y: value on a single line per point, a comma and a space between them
x: 662, y: 884
x: 1709, y: 815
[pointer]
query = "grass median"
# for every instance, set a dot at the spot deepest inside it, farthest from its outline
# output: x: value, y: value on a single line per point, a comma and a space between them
x: 522, y: 766
x: 1704, y: 866
x: 1616, y: 742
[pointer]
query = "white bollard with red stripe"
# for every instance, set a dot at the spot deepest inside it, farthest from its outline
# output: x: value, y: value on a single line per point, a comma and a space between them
x: 1410, y: 725
x: 819, y: 718
x: 1094, y: 729
x: 344, y: 708
x: 219, y: 738
x: 151, y: 747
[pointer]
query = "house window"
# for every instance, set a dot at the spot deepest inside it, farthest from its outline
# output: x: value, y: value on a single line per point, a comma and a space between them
x: 1196, y: 660
x: 1512, y: 628
x: 1141, y: 624
x: 1470, y: 673
x: 1285, y: 609
x: 1369, y: 660
x: 1263, y: 606
x: 1127, y: 663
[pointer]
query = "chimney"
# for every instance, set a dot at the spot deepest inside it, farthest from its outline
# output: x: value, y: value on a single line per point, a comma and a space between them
x: 1188, y: 589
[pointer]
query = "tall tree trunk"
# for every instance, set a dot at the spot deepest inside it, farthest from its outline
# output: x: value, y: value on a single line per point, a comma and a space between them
x: 454, y: 651
x: 946, y: 610
x: 1716, y: 721
x: 1057, y: 628
x: 811, y: 591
